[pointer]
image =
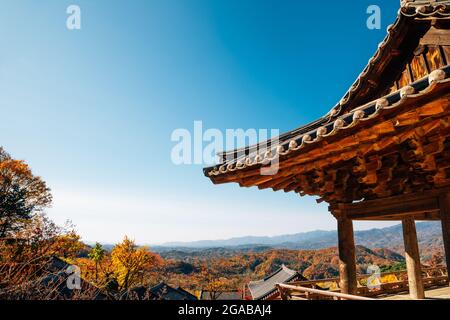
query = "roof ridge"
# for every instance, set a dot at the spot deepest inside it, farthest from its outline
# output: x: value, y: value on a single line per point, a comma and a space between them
x: 409, y: 9
x: 406, y: 3
x: 343, y: 122
x: 292, y: 272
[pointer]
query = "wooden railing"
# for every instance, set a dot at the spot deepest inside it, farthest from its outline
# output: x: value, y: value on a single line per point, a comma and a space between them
x: 329, y: 288
x: 290, y: 292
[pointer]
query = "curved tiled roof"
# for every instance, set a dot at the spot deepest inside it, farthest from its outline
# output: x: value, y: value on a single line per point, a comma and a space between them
x: 262, y: 289
x: 340, y: 118
x: 345, y: 122
x: 409, y: 9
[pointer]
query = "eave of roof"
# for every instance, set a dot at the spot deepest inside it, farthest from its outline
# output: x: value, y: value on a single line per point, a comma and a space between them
x: 410, y: 9
x: 338, y: 126
x: 290, y: 276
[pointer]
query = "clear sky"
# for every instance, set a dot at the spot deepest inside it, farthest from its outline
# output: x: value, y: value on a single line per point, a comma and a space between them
x: 92, y: 110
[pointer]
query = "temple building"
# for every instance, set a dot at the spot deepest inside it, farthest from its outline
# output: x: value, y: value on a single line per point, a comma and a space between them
x: 382, y: 153
x: 266, y: 289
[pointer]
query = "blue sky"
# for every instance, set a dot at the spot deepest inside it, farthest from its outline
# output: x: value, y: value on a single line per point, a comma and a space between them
x: 92, y: 110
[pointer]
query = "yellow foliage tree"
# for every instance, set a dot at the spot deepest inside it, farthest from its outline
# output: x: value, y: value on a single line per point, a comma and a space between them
x: 213, y: 284
x: 130, y: 263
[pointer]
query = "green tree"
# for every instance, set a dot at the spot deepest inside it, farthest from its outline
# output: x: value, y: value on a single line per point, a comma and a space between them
x: 97, y: 254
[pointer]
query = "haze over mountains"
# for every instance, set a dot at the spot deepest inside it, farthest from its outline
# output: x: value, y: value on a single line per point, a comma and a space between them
x: 314, y: 254
x: 429, y: 234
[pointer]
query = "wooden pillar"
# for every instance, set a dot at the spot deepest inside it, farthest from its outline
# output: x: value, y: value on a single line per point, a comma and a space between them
x: 347, y: 257
x: 444, y: 206
x: 412, y: 257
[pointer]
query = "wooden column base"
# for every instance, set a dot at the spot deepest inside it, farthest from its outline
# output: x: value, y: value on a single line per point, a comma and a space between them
x: 412, y: 257
x: 347, y: 257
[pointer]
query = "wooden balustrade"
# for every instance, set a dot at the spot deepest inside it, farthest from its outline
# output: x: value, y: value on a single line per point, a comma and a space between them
x: 290, y: 292
x: 328, y: 288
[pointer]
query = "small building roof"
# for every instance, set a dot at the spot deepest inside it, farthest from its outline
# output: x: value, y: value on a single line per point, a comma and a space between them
x: 51, y: 280
x: 226, y: 295
x: 161, y: 291
x: 263, y: 289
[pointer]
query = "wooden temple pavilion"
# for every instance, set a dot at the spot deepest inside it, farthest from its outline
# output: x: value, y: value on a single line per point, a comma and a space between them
x: 383, y: 152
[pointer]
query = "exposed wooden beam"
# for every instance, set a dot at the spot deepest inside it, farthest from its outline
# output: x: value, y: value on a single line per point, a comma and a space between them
x: 407, y: 204
x: 341, y: 149
x: 426, y: 216
x: 413, y: 162
x: 412, y: 207
x: 412, y: 256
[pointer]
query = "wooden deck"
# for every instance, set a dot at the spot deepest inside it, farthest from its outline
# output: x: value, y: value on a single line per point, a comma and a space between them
x: 432, y: 294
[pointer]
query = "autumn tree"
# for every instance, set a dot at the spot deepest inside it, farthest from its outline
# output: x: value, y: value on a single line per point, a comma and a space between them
x: 213, y: 283
x: 29, y: 254
x: 97, y: 255
x: 131, y: 263
x: 41, y: 238
x: 22, y: 194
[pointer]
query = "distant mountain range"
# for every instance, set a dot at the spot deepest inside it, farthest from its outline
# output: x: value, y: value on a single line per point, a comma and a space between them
x: 429, y: 234
x: 314, y: 254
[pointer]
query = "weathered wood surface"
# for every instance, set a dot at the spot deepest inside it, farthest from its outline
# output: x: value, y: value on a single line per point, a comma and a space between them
x: 412, y: 257
x: 402, y: 153
x: 422, y: 206
x: 287, y: 291
x: 347, y: 256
